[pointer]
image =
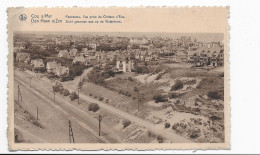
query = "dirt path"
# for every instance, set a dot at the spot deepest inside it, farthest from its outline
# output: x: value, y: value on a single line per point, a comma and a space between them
x: 74, y: 83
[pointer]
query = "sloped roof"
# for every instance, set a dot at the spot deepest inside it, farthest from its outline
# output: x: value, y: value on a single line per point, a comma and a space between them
x: 209, y: 51
x: 79, y: 58
x: 52, y: 64
x: 22, y: 56
x: 63, y: 52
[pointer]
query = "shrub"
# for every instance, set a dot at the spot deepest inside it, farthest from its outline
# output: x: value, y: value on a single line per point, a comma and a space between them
x: 215, y: 118
x: 126, y: 123
x: 173, y: 95
x: 214, y: 95
x: 126, y: 93
x: 150, y: 134
x: 167, y: 125
x: 159, y: 76
x: 174, y: 127
x: 57, y: 87
x: 194, y: 133
x: 101, y: 98
x: 66, y: 92
x: 61, y: 90
x: 130, y: 78
x: 221, y: 74
x: 74, y: 96
x: 177, y: 102
x: 196, y: 109
x: 93, y: 107
x: 80, y: 84
x: 178, y: 85
x: 159, y: 98
x: 90, y: 94
x: 164, y: 106
x: 160, y: 139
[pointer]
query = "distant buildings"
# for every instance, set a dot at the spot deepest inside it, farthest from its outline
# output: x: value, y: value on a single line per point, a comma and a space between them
x: 139, y: 41
x: 121, y: 52
x: 79, y: 58
x: 37, y: 64
x: 207, y: 56
x: 63, y: 53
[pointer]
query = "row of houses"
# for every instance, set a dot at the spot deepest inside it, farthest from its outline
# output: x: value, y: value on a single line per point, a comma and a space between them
x: 203, y: 56
x: 38, y: 65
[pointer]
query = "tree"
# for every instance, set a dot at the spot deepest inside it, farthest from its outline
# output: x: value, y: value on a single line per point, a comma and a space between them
x: 27, y: 44
x: 214, y: 95
x: 178, y: 85
x: 73, y: 96
x: 159, y: 98
x: 93, y: 107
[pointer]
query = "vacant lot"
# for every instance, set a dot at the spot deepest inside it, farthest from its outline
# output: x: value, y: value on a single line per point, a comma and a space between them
x: 200, y: 96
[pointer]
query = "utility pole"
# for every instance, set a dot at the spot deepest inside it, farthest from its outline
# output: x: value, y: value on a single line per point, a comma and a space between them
x: 54, y: 97
x: 30, y: 77
x: 37, y: 113
x: 71, y: 133
x: 138, y: 98
x: 78, y: 95
x: 100, y: 118
x: 19, y: 94
x: 79, y: 87
x: 138, y: 102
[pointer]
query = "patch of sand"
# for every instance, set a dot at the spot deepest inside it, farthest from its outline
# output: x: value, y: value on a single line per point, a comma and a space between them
x: 146, y: 78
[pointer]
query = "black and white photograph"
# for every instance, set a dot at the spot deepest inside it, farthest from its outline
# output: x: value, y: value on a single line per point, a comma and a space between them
x: 118, y: 87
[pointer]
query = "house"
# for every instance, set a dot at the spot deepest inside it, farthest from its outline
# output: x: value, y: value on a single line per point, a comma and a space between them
x: 207, y: 56
x: 152, y: 55
x: 124, y: 64
x: 181, y: 56
x: 57, y: 68
x: 139, y: 40
x: 79, y: 58
x: 37, y: 64
x: 191, y: 56
x: 93, y: 46
x: 63, y: 53
x: 138, y: 54
x: 174, y: 58
x: 220, y: 58
x: 143, y: 54
x: 51, y: 66
x: 111, y: 56
x: 18, y: 49
x: 90, y: 60
x: 101, y: 57
x: 23, y: 57
x: 73, y: 52
x: 61, y: 70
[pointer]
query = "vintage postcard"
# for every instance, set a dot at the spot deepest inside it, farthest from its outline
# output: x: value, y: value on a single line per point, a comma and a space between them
x: 141, y: 78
